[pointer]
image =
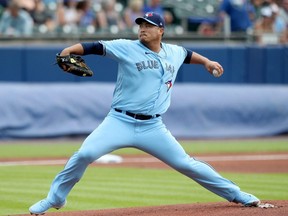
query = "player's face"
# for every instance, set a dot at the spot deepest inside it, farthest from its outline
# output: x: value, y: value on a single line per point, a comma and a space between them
x: 148, y: 32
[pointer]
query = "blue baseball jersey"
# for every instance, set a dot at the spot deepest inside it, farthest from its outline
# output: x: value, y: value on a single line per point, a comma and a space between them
x: 145, y: 78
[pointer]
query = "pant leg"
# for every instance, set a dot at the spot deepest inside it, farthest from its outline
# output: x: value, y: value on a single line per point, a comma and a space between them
x: 160, y: 143
x: 112, y: 133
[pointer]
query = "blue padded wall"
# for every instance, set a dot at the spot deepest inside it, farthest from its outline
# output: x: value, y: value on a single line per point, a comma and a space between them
x: 255, y: 57
x: 236, y: 69
x: 40, y: 66
x: 274, y: 70
x: 12, y: 64
x: 242, y: 64
x: 285, y: 66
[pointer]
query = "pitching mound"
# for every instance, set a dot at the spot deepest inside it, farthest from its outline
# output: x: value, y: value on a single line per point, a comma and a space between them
x: 202, y: 209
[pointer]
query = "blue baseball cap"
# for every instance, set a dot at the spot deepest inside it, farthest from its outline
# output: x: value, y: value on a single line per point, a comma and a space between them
x: 152, y: 18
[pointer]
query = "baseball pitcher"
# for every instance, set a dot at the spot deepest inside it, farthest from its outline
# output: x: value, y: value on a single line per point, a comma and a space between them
x: 147, y: 69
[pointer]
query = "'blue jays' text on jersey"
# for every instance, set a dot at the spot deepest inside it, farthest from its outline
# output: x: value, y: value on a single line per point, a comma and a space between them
x: 145, y: 78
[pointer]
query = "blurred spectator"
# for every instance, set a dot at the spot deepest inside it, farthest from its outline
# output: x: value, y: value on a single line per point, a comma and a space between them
x: 109, y: 18
x: 155, y: 6
x: 240, y: 12
x: 132, y: 11
x: 87, y: 20
x: 51, y: 5
x: 207, y: 28
x: 280, y: 26
x: 16, y: 21
x: 283, y: 13
x: 168, y: 18
x: 268, y: 29
x: 47, y: 2
x: 273, y: 5
x: 3, y: 5
x: 170, y: 26
x: 42, y: 17
x: 27, y: 5
x: 258, y: 4
x: 275, y: 11
x: 68, y: 16
x: 279, y: 21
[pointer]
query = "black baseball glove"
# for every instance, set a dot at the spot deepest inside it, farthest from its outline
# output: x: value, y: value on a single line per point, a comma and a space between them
x: 73, y: 64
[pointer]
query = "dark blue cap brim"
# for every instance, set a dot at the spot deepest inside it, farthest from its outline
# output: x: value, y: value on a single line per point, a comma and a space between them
x: 141, y: 19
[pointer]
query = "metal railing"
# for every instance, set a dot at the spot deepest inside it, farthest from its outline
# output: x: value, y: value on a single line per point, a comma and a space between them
x: 186, y: 37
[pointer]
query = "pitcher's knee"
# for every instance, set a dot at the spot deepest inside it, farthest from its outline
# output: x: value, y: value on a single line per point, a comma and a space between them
x: 85, y: 156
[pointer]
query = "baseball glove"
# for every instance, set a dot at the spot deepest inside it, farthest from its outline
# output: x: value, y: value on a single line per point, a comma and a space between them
x: 73, y: 64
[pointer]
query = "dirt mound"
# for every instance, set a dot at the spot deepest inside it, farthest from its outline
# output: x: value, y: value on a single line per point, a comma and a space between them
x: 201, y: 209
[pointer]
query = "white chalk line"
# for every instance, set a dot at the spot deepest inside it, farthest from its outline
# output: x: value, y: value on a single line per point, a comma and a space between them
x: 271, y: 157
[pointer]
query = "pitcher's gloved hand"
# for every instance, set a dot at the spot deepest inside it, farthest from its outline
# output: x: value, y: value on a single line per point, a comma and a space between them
x: 73, y: 64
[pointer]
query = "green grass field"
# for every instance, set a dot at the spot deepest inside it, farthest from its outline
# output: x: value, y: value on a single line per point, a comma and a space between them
x: 103, y: 187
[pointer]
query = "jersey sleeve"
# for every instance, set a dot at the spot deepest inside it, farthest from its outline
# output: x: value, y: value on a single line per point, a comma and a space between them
x: 176, y: 54
x: 181, y: 53
x: 116, y: 49
x: 188, y: 56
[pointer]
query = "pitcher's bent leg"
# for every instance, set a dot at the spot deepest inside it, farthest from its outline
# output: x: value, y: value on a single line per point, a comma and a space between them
x: 97, y: 144
x: 67, y: 178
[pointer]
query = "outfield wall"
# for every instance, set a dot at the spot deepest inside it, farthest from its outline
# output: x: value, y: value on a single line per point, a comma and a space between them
x: 43, y: 110
x: 242, y: 64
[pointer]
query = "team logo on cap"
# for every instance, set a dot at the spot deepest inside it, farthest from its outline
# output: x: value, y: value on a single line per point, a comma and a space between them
x: 148, y: 14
